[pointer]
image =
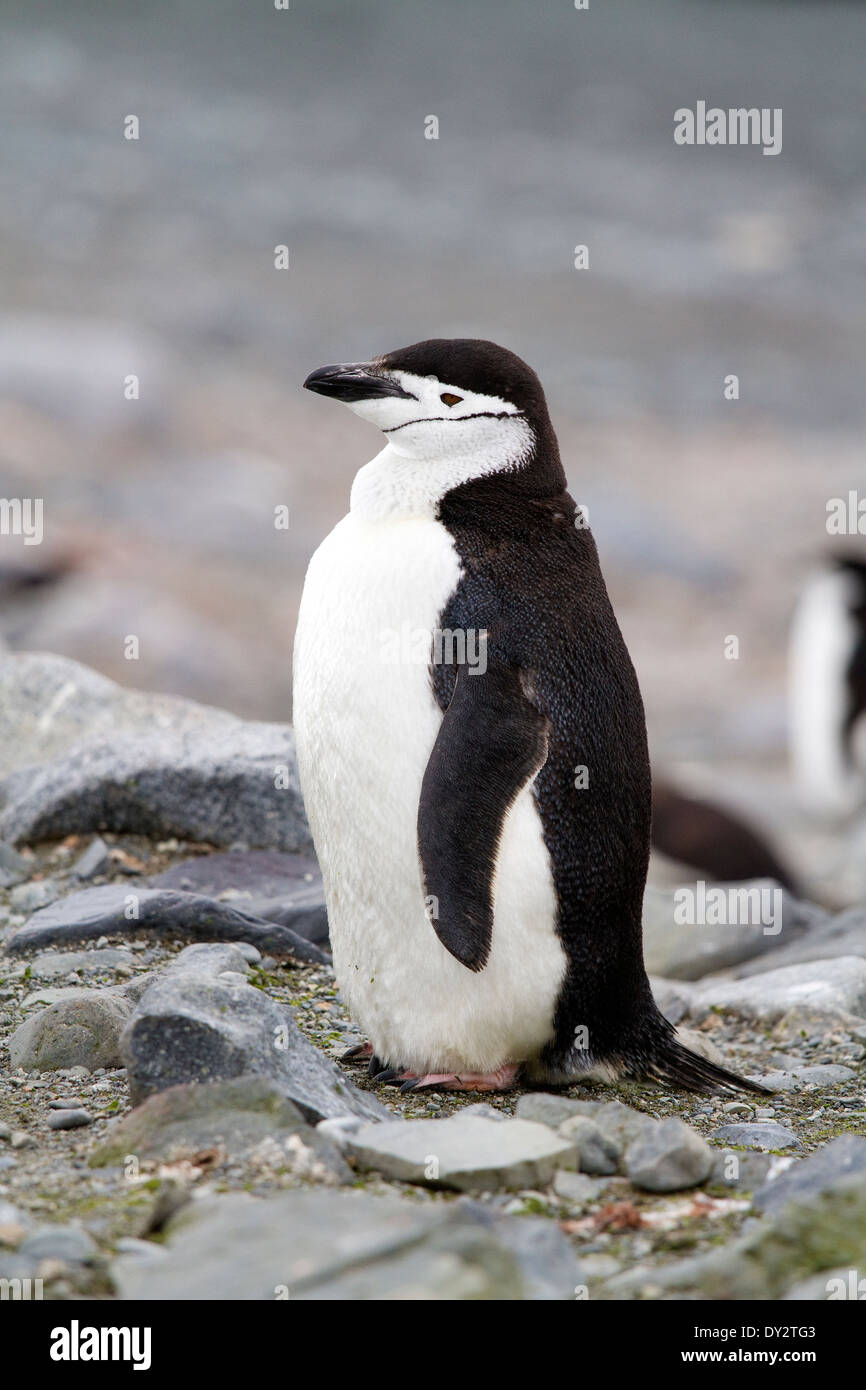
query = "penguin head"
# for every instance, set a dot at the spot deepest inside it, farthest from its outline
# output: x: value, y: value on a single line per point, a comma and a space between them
x: 463, y: 400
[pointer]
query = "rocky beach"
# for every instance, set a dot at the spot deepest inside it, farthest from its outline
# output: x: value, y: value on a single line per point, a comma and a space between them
x: 175, y: 1121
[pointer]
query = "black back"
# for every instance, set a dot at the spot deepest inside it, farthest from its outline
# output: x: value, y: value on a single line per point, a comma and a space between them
x: 559, y: 693
x: 531, y: 578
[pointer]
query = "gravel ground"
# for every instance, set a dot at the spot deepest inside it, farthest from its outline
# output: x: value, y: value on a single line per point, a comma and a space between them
x: 46, y: 1173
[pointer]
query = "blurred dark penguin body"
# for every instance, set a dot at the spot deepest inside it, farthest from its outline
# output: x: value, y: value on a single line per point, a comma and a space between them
x: 713, y: 840
x: 490, y: 923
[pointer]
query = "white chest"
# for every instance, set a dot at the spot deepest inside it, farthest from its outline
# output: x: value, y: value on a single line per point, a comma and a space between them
x: 366, y: 721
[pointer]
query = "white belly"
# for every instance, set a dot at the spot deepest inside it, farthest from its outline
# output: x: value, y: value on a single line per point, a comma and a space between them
x: 366, y: 720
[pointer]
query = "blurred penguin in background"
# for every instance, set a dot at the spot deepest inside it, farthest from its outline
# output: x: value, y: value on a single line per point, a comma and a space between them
x: 827, y: 688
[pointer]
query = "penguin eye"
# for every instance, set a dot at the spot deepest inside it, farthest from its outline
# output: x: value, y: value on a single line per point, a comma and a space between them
x: 448, y: 398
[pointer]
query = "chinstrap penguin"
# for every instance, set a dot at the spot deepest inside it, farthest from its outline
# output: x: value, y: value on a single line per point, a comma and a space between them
x: 827, y: 687
x: 472, y: 745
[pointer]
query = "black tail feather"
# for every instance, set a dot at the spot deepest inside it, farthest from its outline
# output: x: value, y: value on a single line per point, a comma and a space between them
x: 673, y: 1064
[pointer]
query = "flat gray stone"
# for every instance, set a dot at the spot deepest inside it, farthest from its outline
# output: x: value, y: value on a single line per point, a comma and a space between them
x: 68, y: 1243
x: 55, y: 965
x: 80, y: 754
x: 466, y: 1152
x: 578, y: 1189
x: 813, y: 1175
x: 757, y: 1134
x: 69, y: 1119
x: 350, y: 1247
x: 163, y: 913
x: 84, y: 1030
x: 199, y: 1020
x: 668, y: 1157
x: 285, y: 889
x: 798, y: 1077
x: 546, y: 1108
x: 233, y: 1116
x: 60, y: 994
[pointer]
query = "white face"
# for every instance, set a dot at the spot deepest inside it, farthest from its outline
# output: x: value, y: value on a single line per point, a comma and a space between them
x: 439, y: 421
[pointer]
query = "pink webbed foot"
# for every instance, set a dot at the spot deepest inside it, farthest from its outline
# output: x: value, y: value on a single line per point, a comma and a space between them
x: 501, y: 1080
x: 361, y: 1052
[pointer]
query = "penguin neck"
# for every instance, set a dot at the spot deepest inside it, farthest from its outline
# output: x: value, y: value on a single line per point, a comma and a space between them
x: 394, y: 485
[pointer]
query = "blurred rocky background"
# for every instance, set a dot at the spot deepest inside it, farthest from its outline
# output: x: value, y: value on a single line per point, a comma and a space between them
x: 305, y: 127
x: 134, y: 822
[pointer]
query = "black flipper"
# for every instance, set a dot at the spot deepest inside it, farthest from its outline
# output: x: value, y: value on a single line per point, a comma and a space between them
x: 492, y: 741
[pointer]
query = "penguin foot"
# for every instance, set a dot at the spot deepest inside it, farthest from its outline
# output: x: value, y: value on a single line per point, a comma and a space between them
x: 361, y: 1052
x: 393, y: 1076
x: 501, y: 1080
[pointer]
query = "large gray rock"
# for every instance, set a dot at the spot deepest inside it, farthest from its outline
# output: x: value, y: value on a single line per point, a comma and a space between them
x: 201, y: 1021
x: 49, y: 705
x: 466, y: 1152
x: 833, y: 988
x: 232, y: 1116
x: 84, y: 1030
x: 817, y: 1232
x: 350, y: 1247
x: 825, y: 937
x: 80, y: 754
x: 668, y: 1157
x: 160, y: 912
x: 688, y: 951
x: 813, y: 1175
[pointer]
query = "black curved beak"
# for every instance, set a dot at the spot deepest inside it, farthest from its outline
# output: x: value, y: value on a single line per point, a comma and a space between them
x: 353, y: 381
